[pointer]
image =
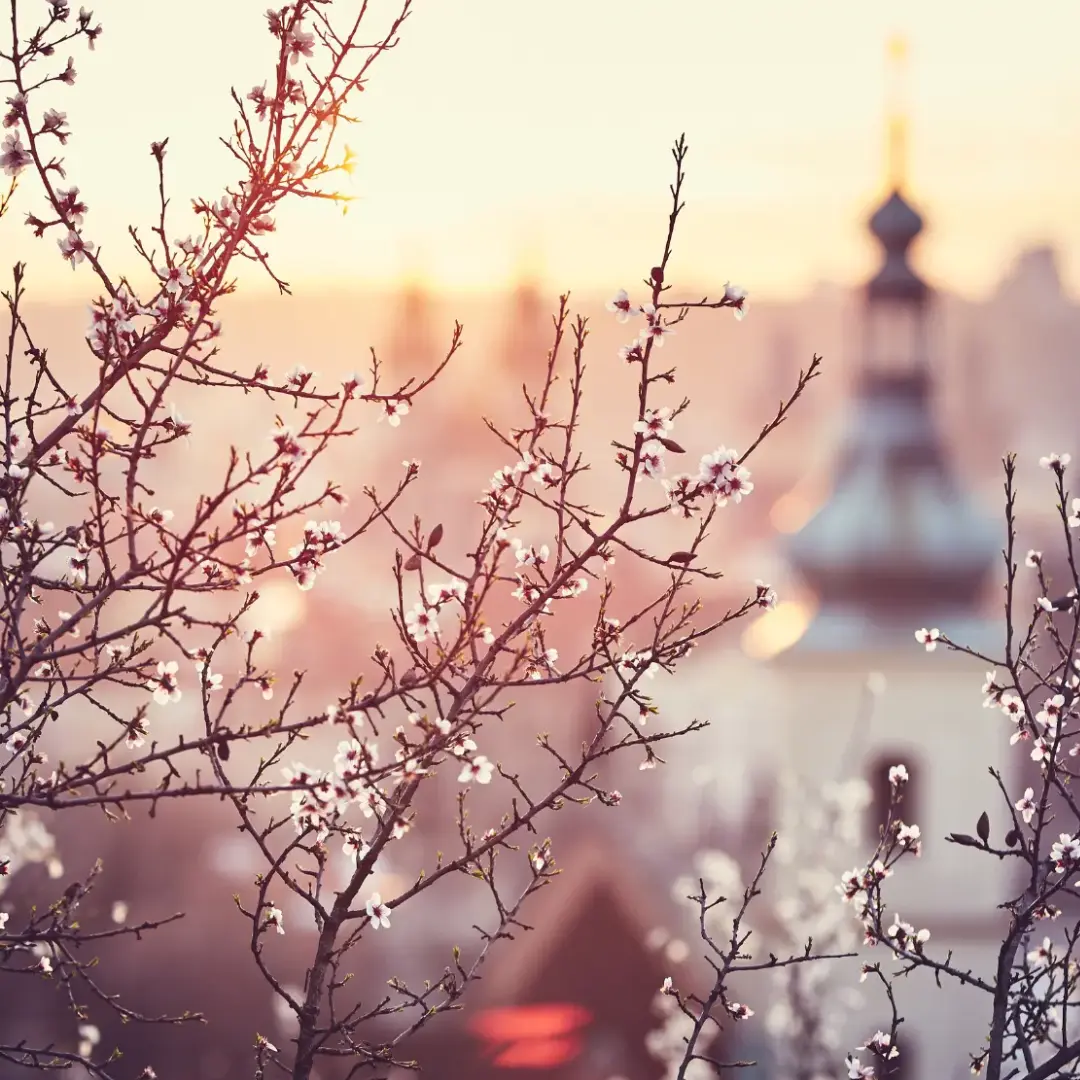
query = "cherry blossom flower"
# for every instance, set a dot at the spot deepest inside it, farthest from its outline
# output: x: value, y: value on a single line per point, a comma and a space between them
x: 736, y: 296
x: 856, y: 1070
x: 881, y: 1045
x: 651, y: 462
x: 478, y: 769
x: 158, y: 516
x: 680, y: 491
x: 721, y: 476
x: 422, y: 623
x: 855, y: 883
x: 1056, y: 462
x: 298, y: 377
x: 1041, y: 750
x: 164, y: 685
x: 259, y: 534
x: 1043, y: 910
x: 89, y: 1037
x: 355, y: 846
x: 655, y: 328
x: 1013, y: 707
x: 275, y: 919
x: 631, y: 663
x: 299, y: 43
x: 1033, y: 559
x: 668, y: 987
x: 1065, y: 853
x: 547, y: 473
x: 136, y: 734
x: 17, y: 742
x: 74, y: 248
x: 1027, y: 806
x: 411, y: 768
x: 905, y: 936
x: 621, y: 306
x: 528, y: 464
x: 176, y: 279
x: 766, y: 595
x: 189, y: 246
x: 1051, y: 712
x: 442, y: 594
x: 530, y: 556
x: 898, y: 775
x: 909, y: 837
x: 307, y: 563
x: 993, y: 690
x: 16, y: 110
x: 632, y: 353
x: 462, y: 745
x: 14, y: 157
x: 737, y: 1011
x: 929, y: 638
x: 211, y: 681
x: 393, y: 410
x: 1043, y: 956
x: 378, y: 913
x: 655, y: 423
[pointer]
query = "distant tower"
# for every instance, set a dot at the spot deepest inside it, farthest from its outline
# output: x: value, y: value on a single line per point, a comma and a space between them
x: 521, y: 355
x: 898, y: 546
x: 412, y: 342
x: 898, y: 540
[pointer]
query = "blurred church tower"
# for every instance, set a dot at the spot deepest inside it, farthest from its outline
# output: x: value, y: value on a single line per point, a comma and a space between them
x: 895, y: 547
x: 412, y: 340
x: 521, y: 352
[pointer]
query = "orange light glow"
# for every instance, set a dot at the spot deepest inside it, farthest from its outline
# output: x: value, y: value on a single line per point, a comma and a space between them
x: 776, y: 630
x: 529, y: 1022
x: 538, y: 1053
x: 532, y: 1036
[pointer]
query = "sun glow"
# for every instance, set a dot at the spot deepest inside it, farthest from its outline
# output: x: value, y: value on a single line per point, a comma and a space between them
x: 776, y: 630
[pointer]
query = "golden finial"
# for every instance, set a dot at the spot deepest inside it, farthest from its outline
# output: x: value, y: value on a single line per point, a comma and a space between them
x: 896, y: 109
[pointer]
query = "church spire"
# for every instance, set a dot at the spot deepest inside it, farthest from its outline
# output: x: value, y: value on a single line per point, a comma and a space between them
x: 898, y: 540
x: 896, y: 113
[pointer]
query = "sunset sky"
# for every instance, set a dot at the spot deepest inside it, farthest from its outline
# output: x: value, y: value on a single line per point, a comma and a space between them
x: 506, y: 137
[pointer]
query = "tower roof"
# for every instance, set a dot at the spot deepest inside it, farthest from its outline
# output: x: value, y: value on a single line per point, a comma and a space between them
x: 897, y: 542
x: 896, y: 224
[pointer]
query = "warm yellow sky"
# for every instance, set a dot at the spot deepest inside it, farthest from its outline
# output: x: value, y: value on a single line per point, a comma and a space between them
x: 506, y: 134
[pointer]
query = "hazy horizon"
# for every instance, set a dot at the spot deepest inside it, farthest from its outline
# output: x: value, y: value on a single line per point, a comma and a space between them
x: 494, y: 145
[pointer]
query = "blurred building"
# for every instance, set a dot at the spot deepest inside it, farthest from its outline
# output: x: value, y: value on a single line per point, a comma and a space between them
x: 897, y: 546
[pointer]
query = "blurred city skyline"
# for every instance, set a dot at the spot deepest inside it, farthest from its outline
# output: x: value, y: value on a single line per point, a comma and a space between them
x: 496, y: 144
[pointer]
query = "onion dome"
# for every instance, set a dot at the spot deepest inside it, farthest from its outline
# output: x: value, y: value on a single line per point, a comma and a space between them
x: 896, y: 224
